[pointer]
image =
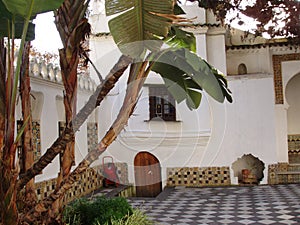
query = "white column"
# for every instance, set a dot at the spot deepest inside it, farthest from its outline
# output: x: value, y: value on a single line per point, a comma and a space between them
x: 281, y: 133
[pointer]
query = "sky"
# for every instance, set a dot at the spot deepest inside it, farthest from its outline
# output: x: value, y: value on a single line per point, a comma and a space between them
x: 46, y: 37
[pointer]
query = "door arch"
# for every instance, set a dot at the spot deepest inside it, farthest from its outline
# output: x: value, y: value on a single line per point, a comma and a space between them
x: 147, y: 173
x: 292, y: 93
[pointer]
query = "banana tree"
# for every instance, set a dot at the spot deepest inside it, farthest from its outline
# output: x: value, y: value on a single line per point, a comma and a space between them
x: 16, y: 16
x: 26, y: 153
x: 73, y: 28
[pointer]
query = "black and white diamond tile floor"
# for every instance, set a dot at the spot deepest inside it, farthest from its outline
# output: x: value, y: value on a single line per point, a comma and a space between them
x: 264, y: 204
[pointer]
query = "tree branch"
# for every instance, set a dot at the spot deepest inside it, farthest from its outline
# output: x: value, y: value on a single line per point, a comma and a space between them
x: 67, y: 136
x: 129, y: 103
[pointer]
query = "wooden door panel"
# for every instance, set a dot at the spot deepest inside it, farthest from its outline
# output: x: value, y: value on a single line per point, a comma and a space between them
x: 147, y: 175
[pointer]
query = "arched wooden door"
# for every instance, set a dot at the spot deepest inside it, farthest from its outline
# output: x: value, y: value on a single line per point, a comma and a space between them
x: 147, y: 173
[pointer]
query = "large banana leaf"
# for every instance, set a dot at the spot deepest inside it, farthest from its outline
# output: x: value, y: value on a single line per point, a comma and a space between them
x: 6, y: 18
x: 138, y: 21
x: 181, y: 38
x: 22, y: 7
x: 185, y: 75
x: 18, y: 31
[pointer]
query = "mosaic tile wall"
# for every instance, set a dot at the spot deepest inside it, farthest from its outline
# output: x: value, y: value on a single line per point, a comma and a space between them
x: 88, y: 182
x: 294, y: 148
x: 36, y: 140
x: 61, y: 127
x: 277, y: 60
x: 198, y: 176
x: 283, y: 173
x: 92, y: 135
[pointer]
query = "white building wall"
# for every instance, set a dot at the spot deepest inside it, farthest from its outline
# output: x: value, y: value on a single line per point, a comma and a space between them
x: 216, y: 54
x: 48, y: 123
x: 214, y: 135
x: 51, y: 112
x: 281, y: 133
x: 256, y: 60
x: 291, y: 69
x: 245, y: 126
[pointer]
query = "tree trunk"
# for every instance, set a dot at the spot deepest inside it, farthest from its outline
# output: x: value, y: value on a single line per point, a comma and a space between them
x: 2, y: 94
x: 27, y: 146
x: 73, y: 28
x: 67, y: 160
x: 9, y: 172
x: 131, y: 98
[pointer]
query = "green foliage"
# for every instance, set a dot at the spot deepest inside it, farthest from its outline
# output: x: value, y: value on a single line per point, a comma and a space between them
x: 178, y: 10
x: 136, y: 218
x: 139, y: 21
x: 6, y: 21
x: 144, y: 25
x: 102, y: 210
x: 186, y: 74
x: 15, y: 12
x: 22, y: 7
x: 180, y: 38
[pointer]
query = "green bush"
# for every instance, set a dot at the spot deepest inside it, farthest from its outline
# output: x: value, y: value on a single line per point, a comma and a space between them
x: 136, y: 218
x: 100, y: 211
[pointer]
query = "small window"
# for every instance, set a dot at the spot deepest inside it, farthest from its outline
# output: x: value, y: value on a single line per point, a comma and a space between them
x: 161, y: 104
x: 242, y: 69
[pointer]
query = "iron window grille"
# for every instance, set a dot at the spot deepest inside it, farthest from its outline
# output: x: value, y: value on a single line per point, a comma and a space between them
x: 161, y: 104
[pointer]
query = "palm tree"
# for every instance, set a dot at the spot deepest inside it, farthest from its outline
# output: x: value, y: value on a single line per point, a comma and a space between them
x: 73, y: 28
x: 16, y: 20
x: 27, y: 159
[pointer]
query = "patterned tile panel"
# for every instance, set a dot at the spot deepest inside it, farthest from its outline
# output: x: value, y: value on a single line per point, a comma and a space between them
x: 284, y: 173
x: 277, y: 60
x: 294, y: 148
x: 198, y: 176
x: 61, y: 127
x: 88, y: 182
x: 36, y: 141
x: 92, y: 135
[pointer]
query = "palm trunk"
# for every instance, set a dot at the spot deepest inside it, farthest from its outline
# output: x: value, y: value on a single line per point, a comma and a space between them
x: 67, y: 136
x: 73, y: 28
x: 2, y: 94
x: 69, y: 74
x: 27, y: 147
x: 131, y: 98
x: 9, y: 172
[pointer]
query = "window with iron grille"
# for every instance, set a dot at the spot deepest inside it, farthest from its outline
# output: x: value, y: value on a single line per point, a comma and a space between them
x: 161, y: 104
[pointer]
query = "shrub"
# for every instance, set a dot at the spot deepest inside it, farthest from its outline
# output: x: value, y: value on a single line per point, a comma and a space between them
x: 100, y: 211
x: 136, y: 218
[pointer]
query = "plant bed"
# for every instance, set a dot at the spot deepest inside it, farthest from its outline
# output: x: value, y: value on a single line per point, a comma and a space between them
x: 101, y: 210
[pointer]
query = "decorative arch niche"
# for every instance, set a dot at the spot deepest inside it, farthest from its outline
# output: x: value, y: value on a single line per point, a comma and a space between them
x: 242, y: 69
x: 292, y: 93
x: 253, y: 165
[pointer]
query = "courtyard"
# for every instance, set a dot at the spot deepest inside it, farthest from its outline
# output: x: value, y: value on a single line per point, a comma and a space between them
x: 263, y: 204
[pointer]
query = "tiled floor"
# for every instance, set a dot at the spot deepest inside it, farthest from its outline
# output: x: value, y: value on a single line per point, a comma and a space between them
x: 264, y: 204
